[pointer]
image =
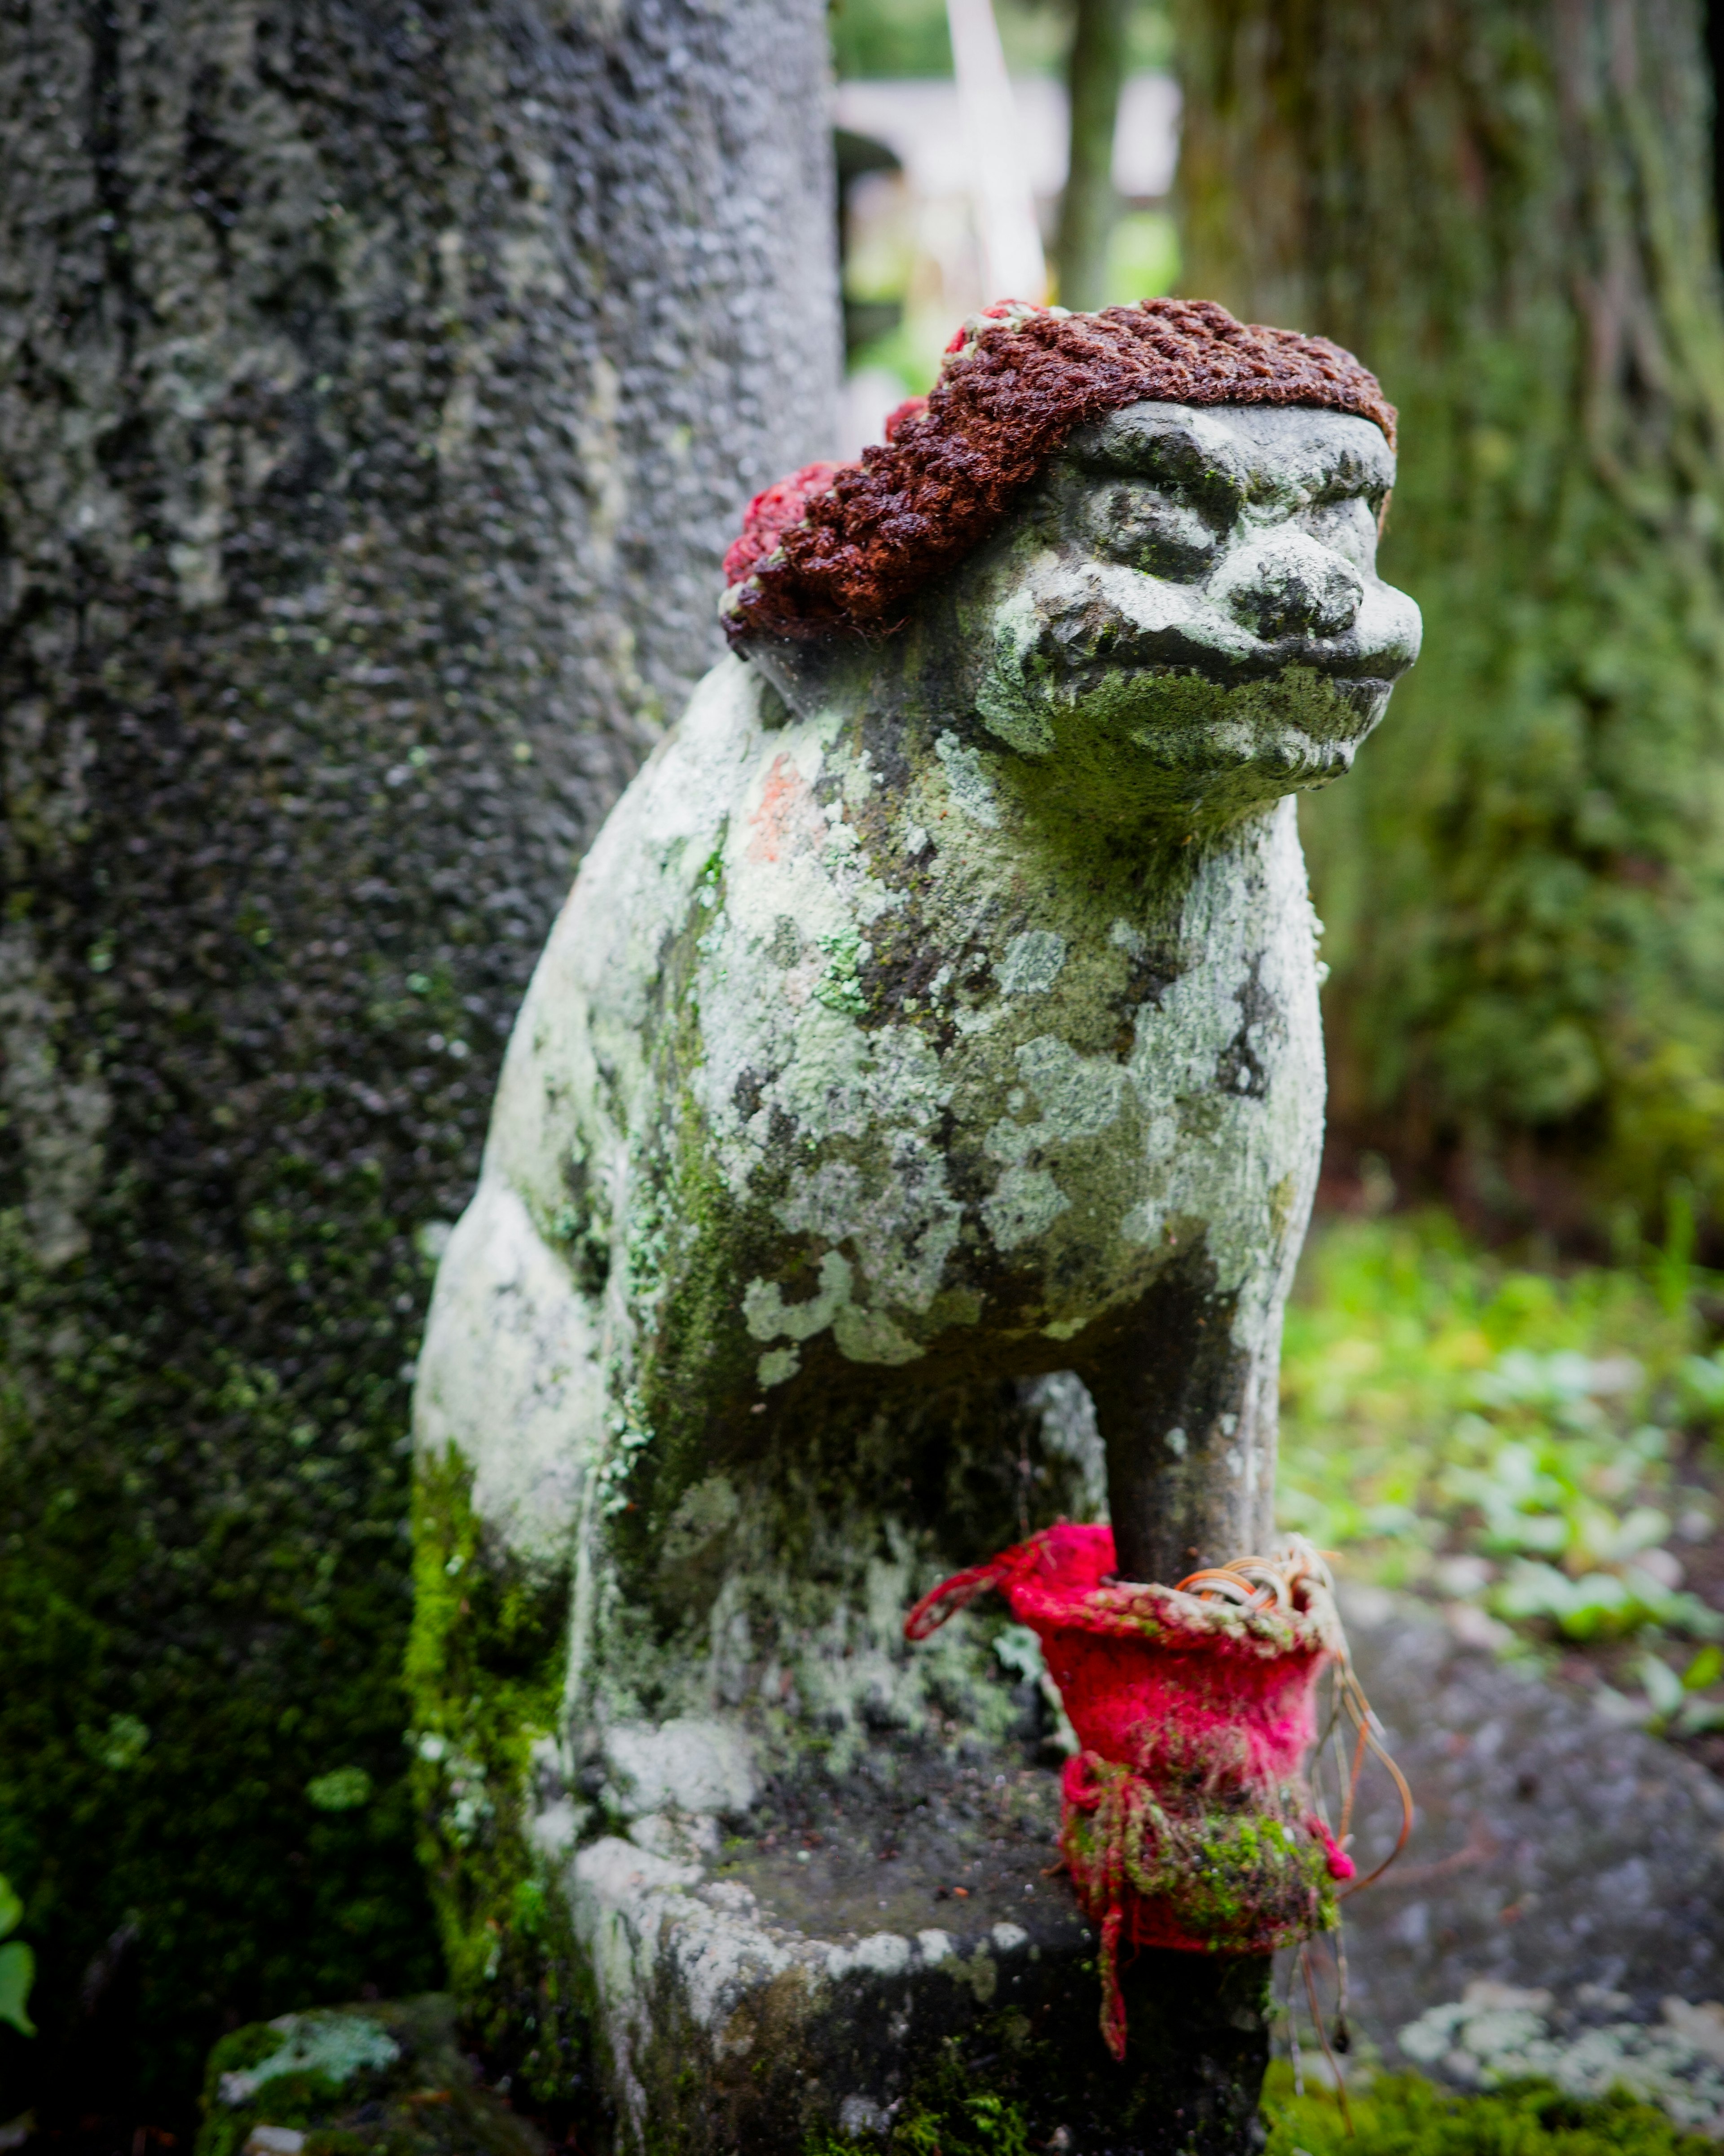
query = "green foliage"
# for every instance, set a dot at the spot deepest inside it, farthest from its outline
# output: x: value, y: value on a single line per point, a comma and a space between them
x: 17, y: 1965
x: 1142, y: 257
x: 875, y: 37
x: 1404, y: 2115
x: 979, y: 2125
x: 1504, y: 1437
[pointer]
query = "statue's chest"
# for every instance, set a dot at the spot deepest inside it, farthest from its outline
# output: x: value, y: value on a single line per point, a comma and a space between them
x: 1005, y: 1078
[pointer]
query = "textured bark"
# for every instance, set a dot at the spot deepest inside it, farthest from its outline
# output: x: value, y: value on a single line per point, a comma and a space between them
x: 1506, y: 211
x: 378, y: 385
x: 1094, y: 74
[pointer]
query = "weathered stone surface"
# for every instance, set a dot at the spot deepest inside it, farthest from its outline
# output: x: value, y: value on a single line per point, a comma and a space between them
x: 909, y: 1132
x: 886, y: 1937
x: 341, y: 2080
x: 1564, y: 1861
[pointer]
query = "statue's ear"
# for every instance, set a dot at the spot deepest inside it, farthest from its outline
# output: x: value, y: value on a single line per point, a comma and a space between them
x: 796, y: 671
x: 1383, y: 516
x: 812, y: 675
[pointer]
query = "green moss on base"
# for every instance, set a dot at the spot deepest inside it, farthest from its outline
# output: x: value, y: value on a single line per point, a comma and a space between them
x: 484, y: 1672
x: 1240, y: 1881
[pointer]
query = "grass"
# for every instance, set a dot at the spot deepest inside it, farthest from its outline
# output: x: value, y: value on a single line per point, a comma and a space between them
x: 1404, y: 2115
x: 1537, y: 1450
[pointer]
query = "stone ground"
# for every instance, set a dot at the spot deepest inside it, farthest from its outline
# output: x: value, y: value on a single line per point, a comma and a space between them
x: 1566, y: 1871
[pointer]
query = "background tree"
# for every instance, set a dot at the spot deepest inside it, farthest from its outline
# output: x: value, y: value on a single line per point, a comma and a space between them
x: 379, y: 380
x: 1506, y: 208
x: 1089, y: 206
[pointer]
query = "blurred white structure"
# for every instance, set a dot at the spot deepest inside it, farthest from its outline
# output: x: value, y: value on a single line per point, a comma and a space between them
x: 1007, y: 235
x: 920, y: 122
x: 919, y: 234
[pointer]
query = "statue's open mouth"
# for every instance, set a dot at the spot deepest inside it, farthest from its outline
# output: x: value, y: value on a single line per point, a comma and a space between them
x: 1119, y: 624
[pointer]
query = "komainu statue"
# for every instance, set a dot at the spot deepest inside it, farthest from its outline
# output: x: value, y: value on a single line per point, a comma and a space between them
x: 907, y: 1141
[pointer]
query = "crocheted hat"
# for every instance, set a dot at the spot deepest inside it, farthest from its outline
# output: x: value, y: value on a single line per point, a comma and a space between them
x: 838, y: 549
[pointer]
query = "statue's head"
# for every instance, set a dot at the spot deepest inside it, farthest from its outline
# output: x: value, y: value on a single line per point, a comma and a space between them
x: 1139, y: 545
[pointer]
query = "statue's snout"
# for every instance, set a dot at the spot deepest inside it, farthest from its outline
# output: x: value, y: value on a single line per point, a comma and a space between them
x: 1287, y: 583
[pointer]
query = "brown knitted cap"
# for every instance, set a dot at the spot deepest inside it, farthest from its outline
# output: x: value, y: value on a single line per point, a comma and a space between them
x: 839, y: 549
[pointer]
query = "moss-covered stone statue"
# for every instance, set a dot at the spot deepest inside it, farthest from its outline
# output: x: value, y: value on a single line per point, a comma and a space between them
x: 907, y: 1139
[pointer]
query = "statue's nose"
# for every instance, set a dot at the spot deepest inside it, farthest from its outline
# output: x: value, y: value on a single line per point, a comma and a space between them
x: 1287, y: 584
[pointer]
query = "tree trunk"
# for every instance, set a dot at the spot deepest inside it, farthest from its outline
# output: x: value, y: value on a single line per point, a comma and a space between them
x: 379, y: 383
x: 1507, y: 210
x: 1095, y: 73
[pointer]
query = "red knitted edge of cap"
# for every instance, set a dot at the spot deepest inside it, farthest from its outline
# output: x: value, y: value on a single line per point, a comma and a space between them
x: 845, y: 554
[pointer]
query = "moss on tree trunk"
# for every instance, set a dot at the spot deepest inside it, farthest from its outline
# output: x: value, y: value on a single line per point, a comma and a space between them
x: 1505, y: 206
x: 378, y: 385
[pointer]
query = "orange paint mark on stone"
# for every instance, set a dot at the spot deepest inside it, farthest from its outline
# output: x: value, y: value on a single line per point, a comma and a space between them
x: 788, y: 817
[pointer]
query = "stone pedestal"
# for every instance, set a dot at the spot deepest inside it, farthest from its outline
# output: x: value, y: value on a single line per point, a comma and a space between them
x: 857, y: 1959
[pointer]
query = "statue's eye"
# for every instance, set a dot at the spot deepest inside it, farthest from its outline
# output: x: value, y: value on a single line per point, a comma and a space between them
x: 1152, y: 530
x: 1348, y: 525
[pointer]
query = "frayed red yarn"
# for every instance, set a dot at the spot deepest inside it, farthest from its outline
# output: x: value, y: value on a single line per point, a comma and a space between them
x: 1186, y: 1818
x: 1015, y: 383
x: 912, y: 407
x: 772, y: 513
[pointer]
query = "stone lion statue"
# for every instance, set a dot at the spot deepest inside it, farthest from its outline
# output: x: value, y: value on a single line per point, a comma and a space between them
x: 910, y: 1128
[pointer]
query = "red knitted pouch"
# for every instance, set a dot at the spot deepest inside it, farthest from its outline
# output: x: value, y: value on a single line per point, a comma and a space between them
x: 1187, y: 1821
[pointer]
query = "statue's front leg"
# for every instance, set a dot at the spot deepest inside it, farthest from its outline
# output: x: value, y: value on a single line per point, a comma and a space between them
x: 1185, y: 1404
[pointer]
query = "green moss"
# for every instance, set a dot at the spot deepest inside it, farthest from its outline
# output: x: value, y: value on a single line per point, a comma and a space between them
x: 949, y: 2112
x: 1013, y: 2078
x: 1404, y: 2115
x: 1240, y: 1881
x: 294, y: 2073
x: 971, y: 2125
x: 204, y: 1601
x: 974, y: 2125
x: 389, y: 2080
x: 484, y: 1671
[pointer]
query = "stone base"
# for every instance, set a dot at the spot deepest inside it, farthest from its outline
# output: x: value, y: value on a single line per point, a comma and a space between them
x: 874, y: 1954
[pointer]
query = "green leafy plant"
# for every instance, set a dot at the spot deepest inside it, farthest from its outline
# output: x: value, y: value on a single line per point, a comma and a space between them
x: 17, y: 1965
x: 1507, y: 1438
x: 344, y: 1789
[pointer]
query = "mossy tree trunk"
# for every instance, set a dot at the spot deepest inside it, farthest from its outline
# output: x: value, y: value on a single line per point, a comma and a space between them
x: 1506, y: 208
x: 378, y: 385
